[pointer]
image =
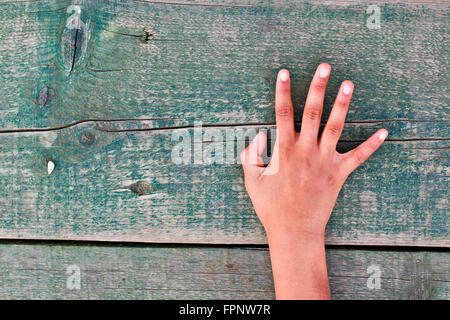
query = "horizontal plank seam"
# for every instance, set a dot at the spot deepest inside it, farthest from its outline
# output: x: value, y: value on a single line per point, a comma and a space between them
x: 128, y: 270
x: 311, y: 2
x: 259, y: 247
x: 76, y: 123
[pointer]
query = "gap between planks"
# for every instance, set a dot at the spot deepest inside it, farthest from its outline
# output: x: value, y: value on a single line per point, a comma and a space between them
x: 247, y: 246
x: 218, y: 125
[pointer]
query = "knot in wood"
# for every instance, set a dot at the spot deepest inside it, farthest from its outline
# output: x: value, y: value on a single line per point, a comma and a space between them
x: 141, y: 188
x: 46, y: 97
x: 87, y: 138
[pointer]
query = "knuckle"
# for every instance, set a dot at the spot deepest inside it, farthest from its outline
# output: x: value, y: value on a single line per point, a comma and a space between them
x: 284, y: 112
x: 312, y: 113
x: 307, y: 149
x: 319, y: 85
x: 360, y: 156
x: 284, y: 152
x: 341, y: 103
x: 306, y: 158
x: 334, y: 130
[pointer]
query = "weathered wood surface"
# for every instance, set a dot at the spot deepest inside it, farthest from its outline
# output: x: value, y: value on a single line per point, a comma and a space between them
x: 216, y: 61
x: 115, y: 272
x: 400, y: 196
x: 154, y: 67
x: 164, y: 65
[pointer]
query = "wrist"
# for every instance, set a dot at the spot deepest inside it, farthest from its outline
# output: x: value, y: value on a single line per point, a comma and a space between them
x: 303, y: 242
x: 299, y: 265
x: 303, y: 236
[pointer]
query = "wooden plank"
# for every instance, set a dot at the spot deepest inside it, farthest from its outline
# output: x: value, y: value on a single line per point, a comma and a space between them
x: 138, y: 272
x: 216, y: 61
x: 399, y: 197
x: 213, y: 62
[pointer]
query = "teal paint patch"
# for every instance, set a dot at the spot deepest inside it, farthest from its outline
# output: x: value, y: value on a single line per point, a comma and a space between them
x: 217, y: 64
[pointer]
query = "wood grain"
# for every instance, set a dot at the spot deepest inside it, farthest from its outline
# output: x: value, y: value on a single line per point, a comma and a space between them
x: 120, y: 272
x: 103, y: 104
x: 398, y: 197
x: 217, y: 61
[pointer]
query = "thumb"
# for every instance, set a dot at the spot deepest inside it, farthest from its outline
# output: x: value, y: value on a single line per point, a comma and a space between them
x: 251, y: 160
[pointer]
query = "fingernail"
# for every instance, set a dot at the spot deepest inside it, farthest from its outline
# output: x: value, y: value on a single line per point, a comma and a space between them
x: 383, y: 135
x: 284, y: 75
x: 347, y: 88
x: 324, y: 71
x: 259, y: 143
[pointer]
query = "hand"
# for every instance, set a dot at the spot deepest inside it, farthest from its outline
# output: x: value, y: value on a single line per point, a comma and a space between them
x: 300, y: 196
x: 295, y: 200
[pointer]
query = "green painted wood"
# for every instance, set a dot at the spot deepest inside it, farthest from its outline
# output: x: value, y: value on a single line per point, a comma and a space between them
x: 138, y: 272
x: 164, y: 65
x: 216, y: 61
x: 398, y: 197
